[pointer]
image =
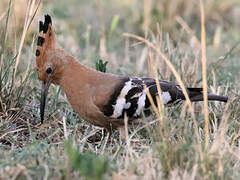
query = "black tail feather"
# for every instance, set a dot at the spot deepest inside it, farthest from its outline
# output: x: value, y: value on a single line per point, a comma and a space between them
x: 211, y: 97
x: 196, y: 94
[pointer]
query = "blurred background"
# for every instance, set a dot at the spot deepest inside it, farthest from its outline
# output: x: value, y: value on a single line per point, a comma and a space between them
x: 94, y: 29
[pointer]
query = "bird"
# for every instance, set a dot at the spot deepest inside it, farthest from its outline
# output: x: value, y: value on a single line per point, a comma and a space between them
x: 102, y: 99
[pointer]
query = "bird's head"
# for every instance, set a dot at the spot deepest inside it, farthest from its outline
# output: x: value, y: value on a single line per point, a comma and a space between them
x: 48, y: 60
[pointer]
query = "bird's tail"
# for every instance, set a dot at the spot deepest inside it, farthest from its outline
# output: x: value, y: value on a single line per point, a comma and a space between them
x: 196, y: 94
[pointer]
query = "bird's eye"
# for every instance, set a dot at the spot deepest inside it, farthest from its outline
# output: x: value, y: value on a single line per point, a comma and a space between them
x: 49, y: 70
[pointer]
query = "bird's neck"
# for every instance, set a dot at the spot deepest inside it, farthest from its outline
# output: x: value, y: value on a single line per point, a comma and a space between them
x: 75, y: 76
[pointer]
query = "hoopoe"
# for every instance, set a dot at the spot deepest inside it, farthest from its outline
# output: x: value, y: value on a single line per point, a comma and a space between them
x: 100, y: 98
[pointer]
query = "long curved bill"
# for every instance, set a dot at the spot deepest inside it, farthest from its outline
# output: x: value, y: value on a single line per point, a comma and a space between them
x: 44, y: 91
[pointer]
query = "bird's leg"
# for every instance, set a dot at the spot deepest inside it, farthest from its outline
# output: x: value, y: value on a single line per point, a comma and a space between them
x: 122, y: 134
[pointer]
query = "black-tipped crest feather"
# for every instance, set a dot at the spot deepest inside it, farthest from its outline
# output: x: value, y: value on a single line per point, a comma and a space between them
x: 40, y: 26
x: 47, y: 21
x: 40, y: 41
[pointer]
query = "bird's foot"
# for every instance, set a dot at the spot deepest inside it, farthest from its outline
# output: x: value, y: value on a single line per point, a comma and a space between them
x: 97, y: 137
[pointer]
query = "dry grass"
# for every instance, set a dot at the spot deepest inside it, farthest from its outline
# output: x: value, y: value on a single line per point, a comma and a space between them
x: 176, y: 142
x: 204, y: 74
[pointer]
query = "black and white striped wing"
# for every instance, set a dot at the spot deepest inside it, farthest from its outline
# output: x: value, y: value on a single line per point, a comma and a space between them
x: 130, y: 97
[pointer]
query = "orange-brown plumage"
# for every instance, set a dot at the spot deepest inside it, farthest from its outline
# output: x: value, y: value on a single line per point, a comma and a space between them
x: 86, y: 89
x: 100, y: 98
